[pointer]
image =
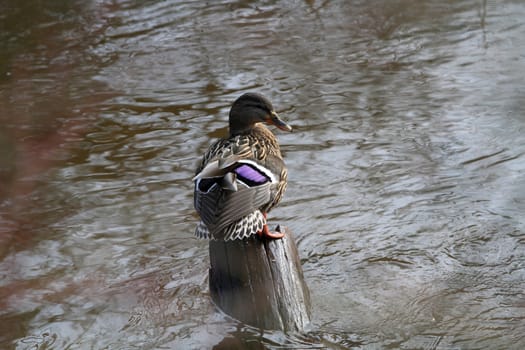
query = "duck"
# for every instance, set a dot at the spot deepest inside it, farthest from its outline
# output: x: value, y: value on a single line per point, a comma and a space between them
x: 243, y: 176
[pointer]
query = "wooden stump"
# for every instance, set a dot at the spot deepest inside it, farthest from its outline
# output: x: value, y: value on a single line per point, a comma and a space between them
x: 260, y: 282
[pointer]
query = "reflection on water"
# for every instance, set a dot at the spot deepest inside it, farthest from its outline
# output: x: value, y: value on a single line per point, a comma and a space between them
x: 406, y: 169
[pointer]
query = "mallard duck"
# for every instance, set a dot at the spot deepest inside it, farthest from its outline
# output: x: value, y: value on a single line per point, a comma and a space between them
x: 242, y: 177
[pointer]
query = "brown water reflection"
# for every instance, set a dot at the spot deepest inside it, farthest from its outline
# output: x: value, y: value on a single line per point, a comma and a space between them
x: 406, y: 170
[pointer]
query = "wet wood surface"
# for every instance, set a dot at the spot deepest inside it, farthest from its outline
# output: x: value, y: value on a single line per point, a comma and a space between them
x: 260, y: 282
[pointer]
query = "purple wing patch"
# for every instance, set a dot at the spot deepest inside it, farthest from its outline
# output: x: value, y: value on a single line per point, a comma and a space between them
x: 252, y: 175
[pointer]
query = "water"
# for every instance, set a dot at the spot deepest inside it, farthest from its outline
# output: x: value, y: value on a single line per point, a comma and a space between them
x: 406, y: 191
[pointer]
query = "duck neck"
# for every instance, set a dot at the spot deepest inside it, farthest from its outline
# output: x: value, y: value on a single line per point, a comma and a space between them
x: 240, y: 129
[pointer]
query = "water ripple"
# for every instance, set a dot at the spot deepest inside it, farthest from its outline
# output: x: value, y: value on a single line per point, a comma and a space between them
x: 405, y: 173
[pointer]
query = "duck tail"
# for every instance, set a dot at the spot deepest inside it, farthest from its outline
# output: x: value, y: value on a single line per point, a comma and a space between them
x: 201, y: 231
x: 243, y: 228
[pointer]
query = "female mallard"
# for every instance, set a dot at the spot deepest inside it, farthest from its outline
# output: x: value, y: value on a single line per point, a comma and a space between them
x: 242, y: 177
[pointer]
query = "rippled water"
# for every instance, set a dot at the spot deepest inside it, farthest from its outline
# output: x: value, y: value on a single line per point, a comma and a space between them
x: 407, y: 176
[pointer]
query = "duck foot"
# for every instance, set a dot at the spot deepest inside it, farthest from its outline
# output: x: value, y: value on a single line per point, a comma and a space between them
x: 265, y: 232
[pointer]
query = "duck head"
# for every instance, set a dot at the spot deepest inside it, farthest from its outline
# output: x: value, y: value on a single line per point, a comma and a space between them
x: 250, y: 109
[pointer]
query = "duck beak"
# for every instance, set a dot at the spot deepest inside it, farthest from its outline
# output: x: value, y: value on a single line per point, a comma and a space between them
x: 278, y: 122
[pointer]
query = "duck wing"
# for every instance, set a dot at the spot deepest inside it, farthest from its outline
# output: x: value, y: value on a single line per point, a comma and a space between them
x: 219, y: 206
x: 236, y: 180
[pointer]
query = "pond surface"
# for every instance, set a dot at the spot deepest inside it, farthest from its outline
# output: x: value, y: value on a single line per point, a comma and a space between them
x: 406, y: 189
